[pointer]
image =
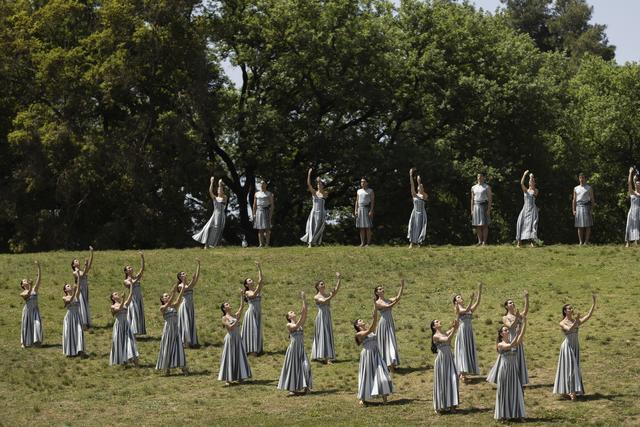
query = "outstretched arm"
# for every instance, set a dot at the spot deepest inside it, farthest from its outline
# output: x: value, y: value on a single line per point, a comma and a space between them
x: 426, y: 196
x: 590, y: 312
x: 524, y: 176
x: 303, y: 312
x: 477, y: 301
x: 239, y: 312
x: 374, y: 321
x: 89, y: 263
x: 178, y: 299
x: 76, y: 291
x: 260, y: 280
x: 127, y: 301
x: 196, y: 275
x: 212, y: 181
x: 335, y: 289
x: 36, y: 287
x: 395, y: 300
x: 413, y: 186
x: 309, y: 186
x: 525, y: 310
x: 141, y: 272
x: 451, y: 332
x: 520, y: 335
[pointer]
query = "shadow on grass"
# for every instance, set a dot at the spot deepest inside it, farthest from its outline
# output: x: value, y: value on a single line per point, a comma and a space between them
x: 338, y: 361
x: 324, y: 392
x: 535, y: 386
x: 474, y: 380
x: 51, y: 346
x: 467, y: 411
x: 409, y: 369
x: 260, y: 382
x: 147, y: 338
x: 98, y: 327
x: 269, y: 353
x: 199, y: 373
x: 534, y: 420
x: 598, y: 396
x: 391, y: 402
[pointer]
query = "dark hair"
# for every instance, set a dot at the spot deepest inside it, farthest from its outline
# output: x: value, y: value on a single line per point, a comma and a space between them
x: 63, y: 288
x: 564, y: 310
x: 222, y: 308
x: 72, y: 261
x: 178, y: 277
x: 111, y: 297
x: 434, y: 348
x: 482, y: 173
x: 454, y: 298
x: 287, y: 317
x: 246, y: 288
x: 365, y: 178
x: 582, y: 174
x: 125, y: 271
x: 161, y: 302
x: 375, y: 294
x: 355, y: 326
x: 499, y: 338
x: 505, y: 306
x: 318, y: 284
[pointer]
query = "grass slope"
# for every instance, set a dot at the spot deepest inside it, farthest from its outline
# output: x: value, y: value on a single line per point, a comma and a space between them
x: 41, y: 386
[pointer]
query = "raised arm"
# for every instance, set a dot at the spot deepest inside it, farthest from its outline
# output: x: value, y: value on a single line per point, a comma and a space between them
x: 141, y: 272
x: 36, y: 286
x: 374, y: 321
x: 335, y: 289
x: 89, y: 263
x: 396, y: 299
x: 212, y: 181
x: 239, y: 312
x: 524, y: 176
x: 309, y: 186
x: 525, y: 310
x: 127, y: 301
x: 178, y: 299
x: 520, y: 335
x: 196, y: 276
x: 590, y: 312
x: 76, y: 291
x: 303, y: 313
x: 260, y: 280
x: 426, y: 195
x: 454, y: 327
x: 413, y: 186
x: 477, y: 300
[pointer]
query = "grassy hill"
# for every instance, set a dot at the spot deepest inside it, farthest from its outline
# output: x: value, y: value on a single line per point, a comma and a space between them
x: 41, y: 386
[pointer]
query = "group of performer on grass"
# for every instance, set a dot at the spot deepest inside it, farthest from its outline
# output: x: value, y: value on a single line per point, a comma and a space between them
x: 379, y: 355
x: 582, y: 204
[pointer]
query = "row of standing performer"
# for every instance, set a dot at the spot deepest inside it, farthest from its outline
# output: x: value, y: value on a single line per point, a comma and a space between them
x: 481, y: 197
x: 379, y: 355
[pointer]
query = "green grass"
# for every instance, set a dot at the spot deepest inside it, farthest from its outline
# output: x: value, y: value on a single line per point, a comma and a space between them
x: 41, y: 386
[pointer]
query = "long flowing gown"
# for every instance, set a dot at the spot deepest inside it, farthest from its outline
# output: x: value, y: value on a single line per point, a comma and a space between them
x: 465, y: 348
x: 31, y: 326
x: 527, y: 225
x: 171, y: 353
x: 135, y: 312
x: 509, y: 395
x: 234, y: 364
x: 211, y: 233
x: 445, y: 379
x: 123, y: 342
x: 252, y: 326
x: 632, y: 230
x: 386, y: 333
x: 417, y: 230
x: 323, y: 346
x: 187, y: 320
x: 568, y: 374
x: 314, y: 229
x: 83, y: 299
x: 72, y: 333
x: 373, y: 374
x: 296, y: 370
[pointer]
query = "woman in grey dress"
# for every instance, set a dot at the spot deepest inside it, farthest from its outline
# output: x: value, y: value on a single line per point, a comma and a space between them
x: 527, y: 225
x: 234, y: 365
x: 363, y: 211
x: 632, y: 230
x: 252, y: 322
x: 135, y: 312
x: 296, y: 370
x: 81, y: 277
x: 513, y: 321
x: 373, y: 375
x: 171, y: 354
x: 582, y: 204
x: 386, y: 330
x: 317, y: 217
x: 465, y: 348
x: 263, y: 208
x: 187, y: 310
x: 417, y: 231
x: 446, y: 395
x: 481, y: 200
x: 323, y: 347
x: 123, y: 343
x: 509, y: 394
x: 211, y: 233
x: 72, y: 331
x: 568, y: 380
x: 31, y: 326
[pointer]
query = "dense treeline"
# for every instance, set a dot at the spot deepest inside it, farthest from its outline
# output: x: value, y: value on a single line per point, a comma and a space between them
x: 115, y: 113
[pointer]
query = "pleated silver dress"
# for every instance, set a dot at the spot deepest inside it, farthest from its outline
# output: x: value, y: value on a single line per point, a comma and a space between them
x: 252, y: 326
x: 211, y: 233
x: 519, y: 350
x: 386, y: 333
x: 632, y: 230
x: 83, y: 299
x: 568, y: 374
x: 262, y: 221
x: 314, y: 229
x: 373, y: 375
x: 364, y: 205
x: 527, y: 225
x: 323, y: 347
x: 465, y: 349
x: 296, y: 370
x: 135, y: 312
x: 171, y: 353
x: 584, y: 217
x: 417, y: 231
x: 234, y: 365
x: 480, y: 213
x: 187, y: 319
x: 445, y: 379
x: 509, y: 395
x: 31, y: 327
x: 72, y: 333
x: 123, y: 342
